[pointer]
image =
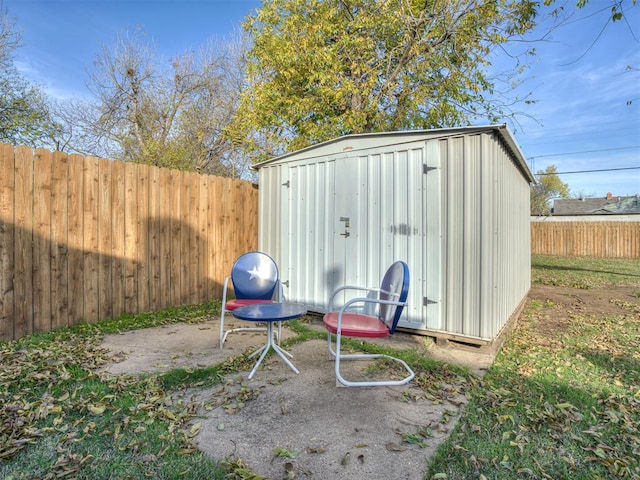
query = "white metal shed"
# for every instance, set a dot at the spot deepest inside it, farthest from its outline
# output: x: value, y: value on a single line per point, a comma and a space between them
x: 453, y: 203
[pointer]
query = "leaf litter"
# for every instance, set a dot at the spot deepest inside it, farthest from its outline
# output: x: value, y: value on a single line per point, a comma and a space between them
x: 53, y: 388
x: 563, y: 396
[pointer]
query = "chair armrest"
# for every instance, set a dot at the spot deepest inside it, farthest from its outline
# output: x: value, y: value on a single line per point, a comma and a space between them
x: 378, y: 301
x: 348, y: 287
x: 224, y: 289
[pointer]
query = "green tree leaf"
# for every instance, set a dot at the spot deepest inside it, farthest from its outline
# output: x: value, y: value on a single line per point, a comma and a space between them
x: 321, y: 69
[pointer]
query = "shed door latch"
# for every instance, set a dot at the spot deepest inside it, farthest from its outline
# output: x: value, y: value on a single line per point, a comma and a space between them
x: 346, y: 225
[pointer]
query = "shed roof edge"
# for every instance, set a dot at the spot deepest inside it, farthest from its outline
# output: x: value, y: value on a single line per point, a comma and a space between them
x: 501, y: 129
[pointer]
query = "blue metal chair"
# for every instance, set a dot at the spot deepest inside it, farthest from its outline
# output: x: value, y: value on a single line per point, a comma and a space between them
x: 389, y: 300
x: 255, y: 279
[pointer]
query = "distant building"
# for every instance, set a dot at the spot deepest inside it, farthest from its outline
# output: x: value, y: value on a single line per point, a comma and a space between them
x: 608, y: 205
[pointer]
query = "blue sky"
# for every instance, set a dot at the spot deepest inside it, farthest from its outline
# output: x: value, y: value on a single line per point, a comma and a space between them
x: 579, y: 77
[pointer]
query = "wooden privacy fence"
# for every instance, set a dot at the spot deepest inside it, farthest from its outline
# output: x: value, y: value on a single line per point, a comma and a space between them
x: 83, y: 238
x: 596, y: 239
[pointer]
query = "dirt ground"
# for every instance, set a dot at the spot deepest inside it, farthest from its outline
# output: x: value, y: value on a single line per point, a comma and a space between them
x: 286, y: 426
x: 567, y: 302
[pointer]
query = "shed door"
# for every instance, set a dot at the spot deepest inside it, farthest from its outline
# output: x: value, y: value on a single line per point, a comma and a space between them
x: 386, y: 208
x: 350, y: 215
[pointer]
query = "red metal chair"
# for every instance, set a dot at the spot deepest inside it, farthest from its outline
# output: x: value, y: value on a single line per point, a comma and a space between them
x: 255, y: 279
x: 390, y: 299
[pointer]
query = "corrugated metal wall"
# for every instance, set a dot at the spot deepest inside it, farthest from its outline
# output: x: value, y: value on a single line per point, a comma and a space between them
x: 486, y: 236
x: 463, y: 227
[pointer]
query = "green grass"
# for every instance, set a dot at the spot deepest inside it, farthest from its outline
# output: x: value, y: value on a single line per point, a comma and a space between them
x: 584, y: 272
x: 560, y: 406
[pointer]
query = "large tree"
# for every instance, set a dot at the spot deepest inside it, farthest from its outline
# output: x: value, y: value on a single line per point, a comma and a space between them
x: 324, y: 68
x: 24, y: 115
x: 168, y: 113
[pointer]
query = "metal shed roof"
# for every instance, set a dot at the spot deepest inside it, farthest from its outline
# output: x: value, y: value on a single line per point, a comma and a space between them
x: 368, y: 140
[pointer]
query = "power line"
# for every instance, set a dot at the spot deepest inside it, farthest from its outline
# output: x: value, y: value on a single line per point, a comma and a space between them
x: 584, y: 151
x: 590, y: 171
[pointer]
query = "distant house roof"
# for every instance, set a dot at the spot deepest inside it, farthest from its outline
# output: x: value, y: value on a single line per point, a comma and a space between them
x: 627, y: 205
x: 597, y: 206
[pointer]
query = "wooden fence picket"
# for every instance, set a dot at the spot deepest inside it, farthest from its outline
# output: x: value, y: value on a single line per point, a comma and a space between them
x: 75, y: 239
x: 23, y: 236
x: 151, y: 276
x: 59, y: 240
x: 7, y: 240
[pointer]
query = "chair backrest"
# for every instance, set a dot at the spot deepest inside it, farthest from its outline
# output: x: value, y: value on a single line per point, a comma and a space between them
x: 255, y: 276
x: 395, y: 286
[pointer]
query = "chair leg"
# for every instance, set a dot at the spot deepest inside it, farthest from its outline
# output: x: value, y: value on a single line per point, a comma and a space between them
x: 223, y: 335
x: 338, y: 356
x: 223, y: 310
